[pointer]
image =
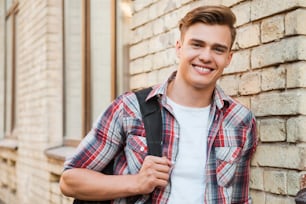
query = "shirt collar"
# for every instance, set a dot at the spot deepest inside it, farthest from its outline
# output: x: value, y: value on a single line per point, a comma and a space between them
x: 220, y: 99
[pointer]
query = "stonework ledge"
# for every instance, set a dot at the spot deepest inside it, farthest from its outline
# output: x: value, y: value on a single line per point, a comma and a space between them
x: 9, y: 144
x: 59, y: 153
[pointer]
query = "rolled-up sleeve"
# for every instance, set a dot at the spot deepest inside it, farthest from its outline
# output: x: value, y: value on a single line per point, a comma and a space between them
x: 102, y: 142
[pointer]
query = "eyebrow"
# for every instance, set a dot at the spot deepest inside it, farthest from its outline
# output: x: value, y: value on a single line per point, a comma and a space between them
x: 213, y: 45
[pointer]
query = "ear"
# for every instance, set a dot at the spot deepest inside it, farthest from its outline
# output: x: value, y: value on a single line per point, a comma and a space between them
x: 229, y: 58
x: 178, y: 47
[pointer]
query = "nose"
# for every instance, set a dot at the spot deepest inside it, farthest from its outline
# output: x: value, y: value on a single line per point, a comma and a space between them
x: 205, y: 55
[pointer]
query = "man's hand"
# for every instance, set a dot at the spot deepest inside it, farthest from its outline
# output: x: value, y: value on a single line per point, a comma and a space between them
x: 155, y: 172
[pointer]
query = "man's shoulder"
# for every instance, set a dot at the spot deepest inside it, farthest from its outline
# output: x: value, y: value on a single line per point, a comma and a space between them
x: 234, y: 108
x: 240, y: 108
x: 129, y: 102
x: 231, y: 101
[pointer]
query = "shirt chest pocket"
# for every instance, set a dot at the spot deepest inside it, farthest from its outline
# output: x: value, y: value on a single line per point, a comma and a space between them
x: 136, y: 150
x: 226, y: 160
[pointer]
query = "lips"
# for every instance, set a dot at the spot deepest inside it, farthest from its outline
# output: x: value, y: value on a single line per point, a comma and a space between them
x: 202, y: 69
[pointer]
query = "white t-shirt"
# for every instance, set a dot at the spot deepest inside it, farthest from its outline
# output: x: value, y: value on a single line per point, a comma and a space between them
x: 188, y: 175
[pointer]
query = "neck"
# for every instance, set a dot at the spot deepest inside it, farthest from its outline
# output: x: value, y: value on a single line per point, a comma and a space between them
x: 188, y: 95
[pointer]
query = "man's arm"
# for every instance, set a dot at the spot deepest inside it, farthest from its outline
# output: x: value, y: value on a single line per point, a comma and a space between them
x: 241, y: 189
x: 87, y: 184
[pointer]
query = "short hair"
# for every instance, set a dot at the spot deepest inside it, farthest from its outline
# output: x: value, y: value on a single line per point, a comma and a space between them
x: 211, y: 15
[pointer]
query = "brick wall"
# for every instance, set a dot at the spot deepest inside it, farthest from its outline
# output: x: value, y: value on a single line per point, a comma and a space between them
x: 267, y: 74
x: 39, y: 96
x: 8, y: 178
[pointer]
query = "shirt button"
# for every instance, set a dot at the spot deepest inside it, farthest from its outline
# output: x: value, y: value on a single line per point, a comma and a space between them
x: 142, y: 149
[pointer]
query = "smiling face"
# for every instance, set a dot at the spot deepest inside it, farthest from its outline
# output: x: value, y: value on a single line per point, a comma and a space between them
x: 204, y: 52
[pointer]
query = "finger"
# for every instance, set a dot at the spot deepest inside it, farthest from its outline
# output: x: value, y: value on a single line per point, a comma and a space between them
x: 164, y: 168
x: 162, y: 176
x: 161, y: 183
x: 160, y: 160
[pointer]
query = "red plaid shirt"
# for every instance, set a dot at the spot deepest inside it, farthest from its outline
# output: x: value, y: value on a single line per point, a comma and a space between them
x: 119, y: 133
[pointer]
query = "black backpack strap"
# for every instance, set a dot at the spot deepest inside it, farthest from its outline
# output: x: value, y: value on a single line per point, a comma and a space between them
x: 151, y: 116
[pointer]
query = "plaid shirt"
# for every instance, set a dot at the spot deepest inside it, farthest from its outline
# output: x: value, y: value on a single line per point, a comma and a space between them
x: 119, y: 133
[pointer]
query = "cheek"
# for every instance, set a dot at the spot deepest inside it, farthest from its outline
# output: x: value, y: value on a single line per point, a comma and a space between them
x: 222, y: 61
x: 190, y: 54
x: 178, y: 53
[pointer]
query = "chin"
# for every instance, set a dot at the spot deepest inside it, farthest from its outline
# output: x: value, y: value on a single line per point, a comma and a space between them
x: 203, y: 86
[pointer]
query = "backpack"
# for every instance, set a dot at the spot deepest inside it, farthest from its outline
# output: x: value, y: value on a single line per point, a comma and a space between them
x: 151, y: 116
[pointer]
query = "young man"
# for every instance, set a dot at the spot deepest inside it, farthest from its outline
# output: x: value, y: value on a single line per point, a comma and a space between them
x: 208, y: 138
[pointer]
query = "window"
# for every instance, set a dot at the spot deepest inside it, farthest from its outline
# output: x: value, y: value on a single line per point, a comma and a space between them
x: 90, y: 63
x: 8, y: 75
x: 72, y: 68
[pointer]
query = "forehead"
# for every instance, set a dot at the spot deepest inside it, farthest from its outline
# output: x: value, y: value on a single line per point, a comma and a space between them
x: 213, y: 34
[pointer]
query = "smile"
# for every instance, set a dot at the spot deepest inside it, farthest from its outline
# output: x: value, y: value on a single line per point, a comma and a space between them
x: 202, y: 69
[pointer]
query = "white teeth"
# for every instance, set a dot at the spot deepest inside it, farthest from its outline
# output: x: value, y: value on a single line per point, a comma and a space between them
x: 201, y: 69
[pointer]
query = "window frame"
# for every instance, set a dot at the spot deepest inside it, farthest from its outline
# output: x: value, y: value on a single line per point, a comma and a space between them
x: 86, y: 68
x: 68, y: 147
x: 86, y: 96
x: 10, y: 13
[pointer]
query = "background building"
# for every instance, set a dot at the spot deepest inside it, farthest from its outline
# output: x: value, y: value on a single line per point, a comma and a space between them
x: 63, y: 61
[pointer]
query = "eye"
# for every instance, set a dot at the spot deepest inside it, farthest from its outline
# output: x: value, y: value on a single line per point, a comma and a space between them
x: 219, y: 50
x: 196, y: 45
